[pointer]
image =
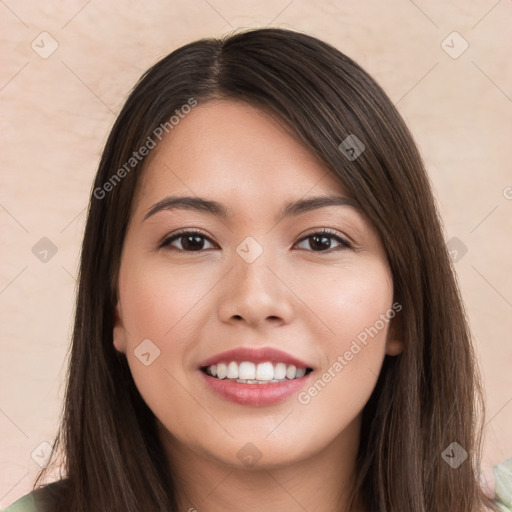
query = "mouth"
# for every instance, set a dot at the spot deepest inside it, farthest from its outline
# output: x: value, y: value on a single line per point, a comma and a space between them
x: 248, y: 372
x: 255, y: 377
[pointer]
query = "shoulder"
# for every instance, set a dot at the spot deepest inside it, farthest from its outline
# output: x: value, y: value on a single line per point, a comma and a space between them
x: 32, y: 501
x: 26, y: 503
x: 503, y: 485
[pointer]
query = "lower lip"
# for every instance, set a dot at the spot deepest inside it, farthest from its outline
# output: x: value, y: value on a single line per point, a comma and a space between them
x: 255, y: 395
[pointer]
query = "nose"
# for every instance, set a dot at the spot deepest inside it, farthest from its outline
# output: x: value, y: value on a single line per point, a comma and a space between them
x: 256, y: 293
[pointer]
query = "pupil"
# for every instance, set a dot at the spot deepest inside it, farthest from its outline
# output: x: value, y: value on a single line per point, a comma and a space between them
x: 325, y: 240
x: 196, y: 244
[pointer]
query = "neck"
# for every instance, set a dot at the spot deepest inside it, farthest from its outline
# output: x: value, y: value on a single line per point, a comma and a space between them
x: 318, y: 483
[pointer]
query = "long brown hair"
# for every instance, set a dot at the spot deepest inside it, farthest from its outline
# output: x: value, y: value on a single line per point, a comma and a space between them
x: 425, y: 399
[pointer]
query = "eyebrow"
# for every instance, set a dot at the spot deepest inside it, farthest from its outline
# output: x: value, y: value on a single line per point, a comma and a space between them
x: 217, y: 209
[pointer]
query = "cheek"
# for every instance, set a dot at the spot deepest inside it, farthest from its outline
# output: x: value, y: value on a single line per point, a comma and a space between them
x: 164, y: 306
x: 355, y: 309
x: 159, y: 301
x: 158, y: 308
x: 348, y: 300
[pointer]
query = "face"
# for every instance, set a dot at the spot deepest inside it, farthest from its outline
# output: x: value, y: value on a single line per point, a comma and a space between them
x: 308, y: 288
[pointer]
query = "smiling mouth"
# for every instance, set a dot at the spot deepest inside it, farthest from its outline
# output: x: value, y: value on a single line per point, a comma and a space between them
x: 247, y: 372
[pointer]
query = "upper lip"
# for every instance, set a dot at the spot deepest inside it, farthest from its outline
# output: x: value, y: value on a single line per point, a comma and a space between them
x: 255, y: 355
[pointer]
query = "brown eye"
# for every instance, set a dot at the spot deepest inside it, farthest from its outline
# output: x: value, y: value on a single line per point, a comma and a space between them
x: 321, y: 241
x: 194, y: 241
x: 190, y: 241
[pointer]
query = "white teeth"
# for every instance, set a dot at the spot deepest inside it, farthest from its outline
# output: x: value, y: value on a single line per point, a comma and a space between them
x: 265, y: 371
x: 291, y: 371
x: 232, y: 370
x: 222, y: 371
x: 279, y: 371
x: 252, y: 373
x: 247, y: 371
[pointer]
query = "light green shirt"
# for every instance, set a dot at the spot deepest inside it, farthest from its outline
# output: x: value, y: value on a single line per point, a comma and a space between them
x: 24, y: 504
x: 502, y: 477
x: 503, y: 481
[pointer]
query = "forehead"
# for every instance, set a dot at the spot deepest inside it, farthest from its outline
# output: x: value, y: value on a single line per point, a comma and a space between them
x: 222, y: 147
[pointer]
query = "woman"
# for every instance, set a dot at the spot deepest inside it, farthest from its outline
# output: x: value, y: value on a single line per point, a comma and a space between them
x: 267, y: 316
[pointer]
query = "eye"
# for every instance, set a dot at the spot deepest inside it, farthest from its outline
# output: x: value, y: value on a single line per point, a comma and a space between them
x: 191, y: 241
x: 320, y: 241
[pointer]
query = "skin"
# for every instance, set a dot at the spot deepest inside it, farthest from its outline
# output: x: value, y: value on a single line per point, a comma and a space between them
x: 304, y: 301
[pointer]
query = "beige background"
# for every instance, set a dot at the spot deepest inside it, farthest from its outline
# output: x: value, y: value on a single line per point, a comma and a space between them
x: 56, y: 111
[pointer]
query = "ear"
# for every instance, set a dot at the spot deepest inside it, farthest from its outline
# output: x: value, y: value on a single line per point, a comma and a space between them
x: 395, y: 343
x: 119, y: 333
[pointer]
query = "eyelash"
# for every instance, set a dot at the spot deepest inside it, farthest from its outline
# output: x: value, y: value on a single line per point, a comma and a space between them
x: 344, y: 244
